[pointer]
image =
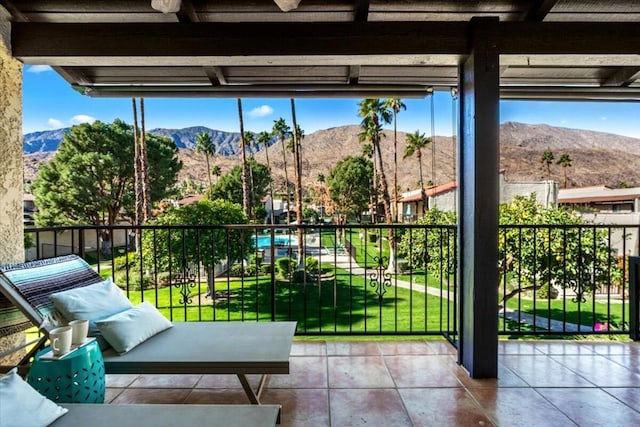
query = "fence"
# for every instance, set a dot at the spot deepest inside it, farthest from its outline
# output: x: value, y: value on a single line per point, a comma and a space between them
x: 349, y: 280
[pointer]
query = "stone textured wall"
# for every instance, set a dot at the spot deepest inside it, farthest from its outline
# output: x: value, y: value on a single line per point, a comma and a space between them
x: 11, y: 228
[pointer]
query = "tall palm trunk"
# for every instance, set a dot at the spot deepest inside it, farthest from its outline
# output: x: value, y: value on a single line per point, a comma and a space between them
x: 286, y: 176
x: 136, y: 166
x: 423, y: 194
x: 144, y: 168
x: 206, y: 156
x: 245, y: 190
x: 395, y: 166
x: 297, y: 165
x: 387, y: 210
x: 266, y: 153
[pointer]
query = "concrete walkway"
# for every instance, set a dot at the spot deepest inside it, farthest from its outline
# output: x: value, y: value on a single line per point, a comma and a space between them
x: 344, y: 261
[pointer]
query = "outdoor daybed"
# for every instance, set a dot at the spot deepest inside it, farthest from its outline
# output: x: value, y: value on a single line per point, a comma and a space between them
x: 154, y: 415
x: 239, y: 348
x: 24, y: 406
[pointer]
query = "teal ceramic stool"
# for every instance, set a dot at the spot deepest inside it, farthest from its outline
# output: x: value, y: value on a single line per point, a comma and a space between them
x: 77, y: 377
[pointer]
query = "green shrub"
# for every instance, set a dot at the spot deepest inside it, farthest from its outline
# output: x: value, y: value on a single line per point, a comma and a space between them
x: 251, y: 269
x: 284, y: 267
x: 121, y: 262
x: 236, y: 270
x: 265, y: 268
x: 544, y: 291
x: 373, y: 237
x: 134, y: 282
x: 163, y: 279
x: 311, y: 265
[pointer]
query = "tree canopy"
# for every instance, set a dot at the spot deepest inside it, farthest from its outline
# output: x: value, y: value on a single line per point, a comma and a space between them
x: 538, y: 247
x: 91, y: 178
x: 229, y: 186
x: 349, y: 184
x: 195, y: 239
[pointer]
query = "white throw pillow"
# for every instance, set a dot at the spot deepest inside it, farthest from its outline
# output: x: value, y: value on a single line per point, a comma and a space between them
x: 93, y: 302
x: 23, y: 406
x: 129, y: 328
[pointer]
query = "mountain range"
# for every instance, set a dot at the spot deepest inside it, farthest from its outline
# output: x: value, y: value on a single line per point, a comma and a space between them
x: 597, y: 158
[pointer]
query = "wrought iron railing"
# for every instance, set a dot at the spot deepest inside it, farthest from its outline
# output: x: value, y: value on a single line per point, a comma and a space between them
x: 555, y: 280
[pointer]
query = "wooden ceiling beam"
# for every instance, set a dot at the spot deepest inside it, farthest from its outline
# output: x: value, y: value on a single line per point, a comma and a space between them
x: 187, y: 12
x: 354, y: 74
x: 216, y: 75
x: 538, y: 10
x: 622, y: 77
x: 361, y: 10
x: 81, y: 44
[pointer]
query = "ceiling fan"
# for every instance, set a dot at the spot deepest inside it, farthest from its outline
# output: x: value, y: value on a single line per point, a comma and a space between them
x: 173, y: 6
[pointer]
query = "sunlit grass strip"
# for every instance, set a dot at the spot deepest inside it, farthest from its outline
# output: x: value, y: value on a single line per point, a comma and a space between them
x: 345, y: 304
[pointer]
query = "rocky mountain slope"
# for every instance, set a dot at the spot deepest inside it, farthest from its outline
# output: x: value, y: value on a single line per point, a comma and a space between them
x: 598, y: 158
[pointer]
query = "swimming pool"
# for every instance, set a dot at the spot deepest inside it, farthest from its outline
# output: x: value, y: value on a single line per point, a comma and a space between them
x: 262, y: 242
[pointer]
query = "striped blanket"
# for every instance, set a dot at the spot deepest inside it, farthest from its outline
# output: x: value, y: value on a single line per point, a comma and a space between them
x: 34, y: 281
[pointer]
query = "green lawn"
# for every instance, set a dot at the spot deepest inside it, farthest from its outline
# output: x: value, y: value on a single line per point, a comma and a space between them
x: 586, y: 313
x: 343, y: 305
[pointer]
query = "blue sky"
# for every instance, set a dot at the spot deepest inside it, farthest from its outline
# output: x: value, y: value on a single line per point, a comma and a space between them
x: 51, y: 103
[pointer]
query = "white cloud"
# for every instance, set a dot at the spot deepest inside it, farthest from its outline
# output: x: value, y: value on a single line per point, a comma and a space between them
x: 38, y: 69
x: 82, y: 118
x: 261, y: 111
x: 54, y: 123
x: 604, y: 119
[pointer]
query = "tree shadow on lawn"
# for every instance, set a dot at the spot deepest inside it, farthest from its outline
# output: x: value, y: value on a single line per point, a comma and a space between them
x: 344, y: 305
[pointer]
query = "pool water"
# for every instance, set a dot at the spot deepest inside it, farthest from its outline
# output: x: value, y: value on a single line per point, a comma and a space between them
x: 265, y: 241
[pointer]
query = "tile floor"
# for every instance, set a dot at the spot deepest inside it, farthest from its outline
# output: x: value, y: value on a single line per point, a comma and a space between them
x: 418, y: 383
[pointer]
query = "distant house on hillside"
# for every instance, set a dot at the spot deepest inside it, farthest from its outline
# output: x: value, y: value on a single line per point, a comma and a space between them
x: 411, y: 207
x: 609, y: 206
x: 601, y: 199
x: 444, y: 197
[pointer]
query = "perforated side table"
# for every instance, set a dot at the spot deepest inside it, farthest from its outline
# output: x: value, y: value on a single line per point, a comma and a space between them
x: 77, y: 377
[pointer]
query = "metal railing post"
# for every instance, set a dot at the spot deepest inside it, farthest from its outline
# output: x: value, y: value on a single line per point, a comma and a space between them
x: 634, y: 298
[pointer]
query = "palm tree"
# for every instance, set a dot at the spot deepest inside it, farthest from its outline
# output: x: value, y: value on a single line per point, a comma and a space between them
x: 367, y: 151
x: 264, y: 138
x: 415, y: 143
x: 395, y: 104
x: 245, y: 187
x: 136, y: 164
x: 547, y: 158
x: 565, y: 162
x: 374, y: 113
x: 297, y: 161
x: 216, y: 171
x: 283, y: 131
x: 298, y: 134
x: 250, y: 140
x: 321, y: 180
x: 204, y: 144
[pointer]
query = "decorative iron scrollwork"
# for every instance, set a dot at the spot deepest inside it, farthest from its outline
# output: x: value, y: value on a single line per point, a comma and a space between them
x: 578, y: 289
x: 184, y: 283
x: 380, y: 280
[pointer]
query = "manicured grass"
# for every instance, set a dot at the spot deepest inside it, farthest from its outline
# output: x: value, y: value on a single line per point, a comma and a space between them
x: 586, y: 313
x: 368, y: 253
x: 343, y: 305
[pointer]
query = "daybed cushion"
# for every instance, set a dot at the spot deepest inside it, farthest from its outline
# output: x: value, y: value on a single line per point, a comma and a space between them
x: 93, y: 302
x: 22, y: 406
x: 131, y: 327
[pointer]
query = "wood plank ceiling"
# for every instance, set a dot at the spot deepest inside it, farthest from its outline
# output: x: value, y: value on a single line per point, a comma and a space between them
x: 549, y: 48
